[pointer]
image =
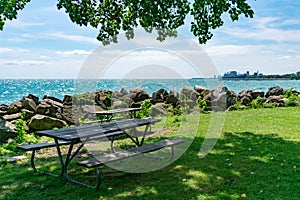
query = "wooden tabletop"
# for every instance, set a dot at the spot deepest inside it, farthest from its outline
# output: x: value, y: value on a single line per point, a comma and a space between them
x: 82, y: 132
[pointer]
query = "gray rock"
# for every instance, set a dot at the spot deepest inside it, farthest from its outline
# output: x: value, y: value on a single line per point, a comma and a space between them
x: 278, y: 100
x: 7, y: 130
x: 172, y: 100
x: 274, y: 91
x: 12, y: 117
x: 203, y: 91
x: 42, y: 122
x: 138, y: 94
x: 52, y: 98
x: 34, y: 98
x: 159, y: 109
x: 160, y: 95
x: 4, y: 107
x: 28, y: 113
x: 67, y: 100
x: 28, y: 104
x: 256, y: 93
x: 246, y: 100
x: 124, y: 92
x: 15, y: 107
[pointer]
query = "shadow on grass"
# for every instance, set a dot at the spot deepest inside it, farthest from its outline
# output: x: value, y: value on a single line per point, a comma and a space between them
x: 260, y: 166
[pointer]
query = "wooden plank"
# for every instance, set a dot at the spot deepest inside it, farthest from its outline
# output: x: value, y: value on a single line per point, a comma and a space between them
x: 112, y: 157
x: 38, y: 146
x: 95, y: 129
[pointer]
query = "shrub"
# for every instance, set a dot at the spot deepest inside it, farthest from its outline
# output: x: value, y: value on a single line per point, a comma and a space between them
x: 146, y: 109
x: 257, y: 103
x: 202, y: 104
x: 291, y: 96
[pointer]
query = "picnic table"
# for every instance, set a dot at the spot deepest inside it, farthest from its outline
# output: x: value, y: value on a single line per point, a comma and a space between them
x: 82, y: 134
x: 107, y: 115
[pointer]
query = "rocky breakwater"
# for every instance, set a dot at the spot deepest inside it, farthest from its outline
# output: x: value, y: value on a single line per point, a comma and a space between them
x: 51, y: 112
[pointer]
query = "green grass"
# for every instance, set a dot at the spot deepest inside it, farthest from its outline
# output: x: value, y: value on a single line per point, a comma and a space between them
x: 257, y: 154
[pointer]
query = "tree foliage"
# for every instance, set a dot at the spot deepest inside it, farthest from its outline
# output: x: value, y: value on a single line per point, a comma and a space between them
x: 111, y: 17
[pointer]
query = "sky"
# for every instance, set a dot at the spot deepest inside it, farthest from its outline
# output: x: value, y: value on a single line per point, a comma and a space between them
x: 44, y: 43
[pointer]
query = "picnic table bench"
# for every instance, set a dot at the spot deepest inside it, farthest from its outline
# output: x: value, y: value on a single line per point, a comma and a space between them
x: 113, y: 157
x: 108, y: 115
x: 82, y: 134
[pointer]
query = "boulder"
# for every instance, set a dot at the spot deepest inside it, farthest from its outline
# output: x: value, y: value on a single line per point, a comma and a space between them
x: 119, y: 104
x: 202, y: 91
x: 174, y: 93
x: 15, y: 107
x: 4, y: 107
x: 220, y: 99
x: 160, y: 95
x: 124, y: 92
x: 54, y: 103
x: 50, y: 108
x: 68, y: 114
x: 42, y: 122
x: 278, y: 100
x: 189, y: 93
x: 117, y: 95
x: 274, y: 91
x: 28, y: 104
x: 243, y: 93
x: 34, y: 98
x: 52, y: 98
x: 256, y: 93
x: 28, y: 113
x: 159, y: 109
x: 42, y: 108
x: 67, y: 100
x: 103, y: 98
x: 12, y: 117
x: 172, y: 100
x: 246, y: 99
x: 138, y: 94
x: 7, y: 130
x: 186, y: 90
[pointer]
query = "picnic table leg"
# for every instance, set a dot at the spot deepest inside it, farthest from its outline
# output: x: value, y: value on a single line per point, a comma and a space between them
x: 147, y: 129
x: 70, y: 156
x: 135, y: 137
x: 36, y: 171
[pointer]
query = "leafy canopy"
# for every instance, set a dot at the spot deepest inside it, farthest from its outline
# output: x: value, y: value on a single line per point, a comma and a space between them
x: 163, y: 16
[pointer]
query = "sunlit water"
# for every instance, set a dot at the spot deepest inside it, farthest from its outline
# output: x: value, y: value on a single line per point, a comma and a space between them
x: 13, y: 90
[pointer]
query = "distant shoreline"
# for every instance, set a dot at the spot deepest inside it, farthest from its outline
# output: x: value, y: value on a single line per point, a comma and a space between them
x: 258, y: 79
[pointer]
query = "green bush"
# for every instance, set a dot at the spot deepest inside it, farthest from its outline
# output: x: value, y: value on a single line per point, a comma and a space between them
x: 10, y: 148
x: 292, y: 98
x: 257, y: 103
x: 202, y: 104
x: 146, y: 109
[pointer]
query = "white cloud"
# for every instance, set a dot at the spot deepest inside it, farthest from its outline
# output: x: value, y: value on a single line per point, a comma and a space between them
x: 267, y: 29
x: 11, y: 50
x: 73, y: 52
x: 22, y: 62
x: 22, y: 24
x: 5, y: 50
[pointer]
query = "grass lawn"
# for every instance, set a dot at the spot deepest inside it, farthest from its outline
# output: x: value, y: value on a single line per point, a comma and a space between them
x: 257, y: 155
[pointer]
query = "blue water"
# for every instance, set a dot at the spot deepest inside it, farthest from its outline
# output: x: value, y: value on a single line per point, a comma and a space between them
x: 13, y: 90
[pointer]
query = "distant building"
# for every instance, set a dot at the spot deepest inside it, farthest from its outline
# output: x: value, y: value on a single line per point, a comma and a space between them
x: 235, y: 74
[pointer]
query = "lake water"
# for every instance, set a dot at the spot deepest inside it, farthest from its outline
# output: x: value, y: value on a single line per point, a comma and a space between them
x: 13, y: 90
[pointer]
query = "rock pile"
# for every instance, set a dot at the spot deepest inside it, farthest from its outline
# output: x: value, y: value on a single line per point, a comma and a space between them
x: 51, y: 112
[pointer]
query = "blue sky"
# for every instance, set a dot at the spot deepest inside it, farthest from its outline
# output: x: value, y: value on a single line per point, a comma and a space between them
x: 44, y: 43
